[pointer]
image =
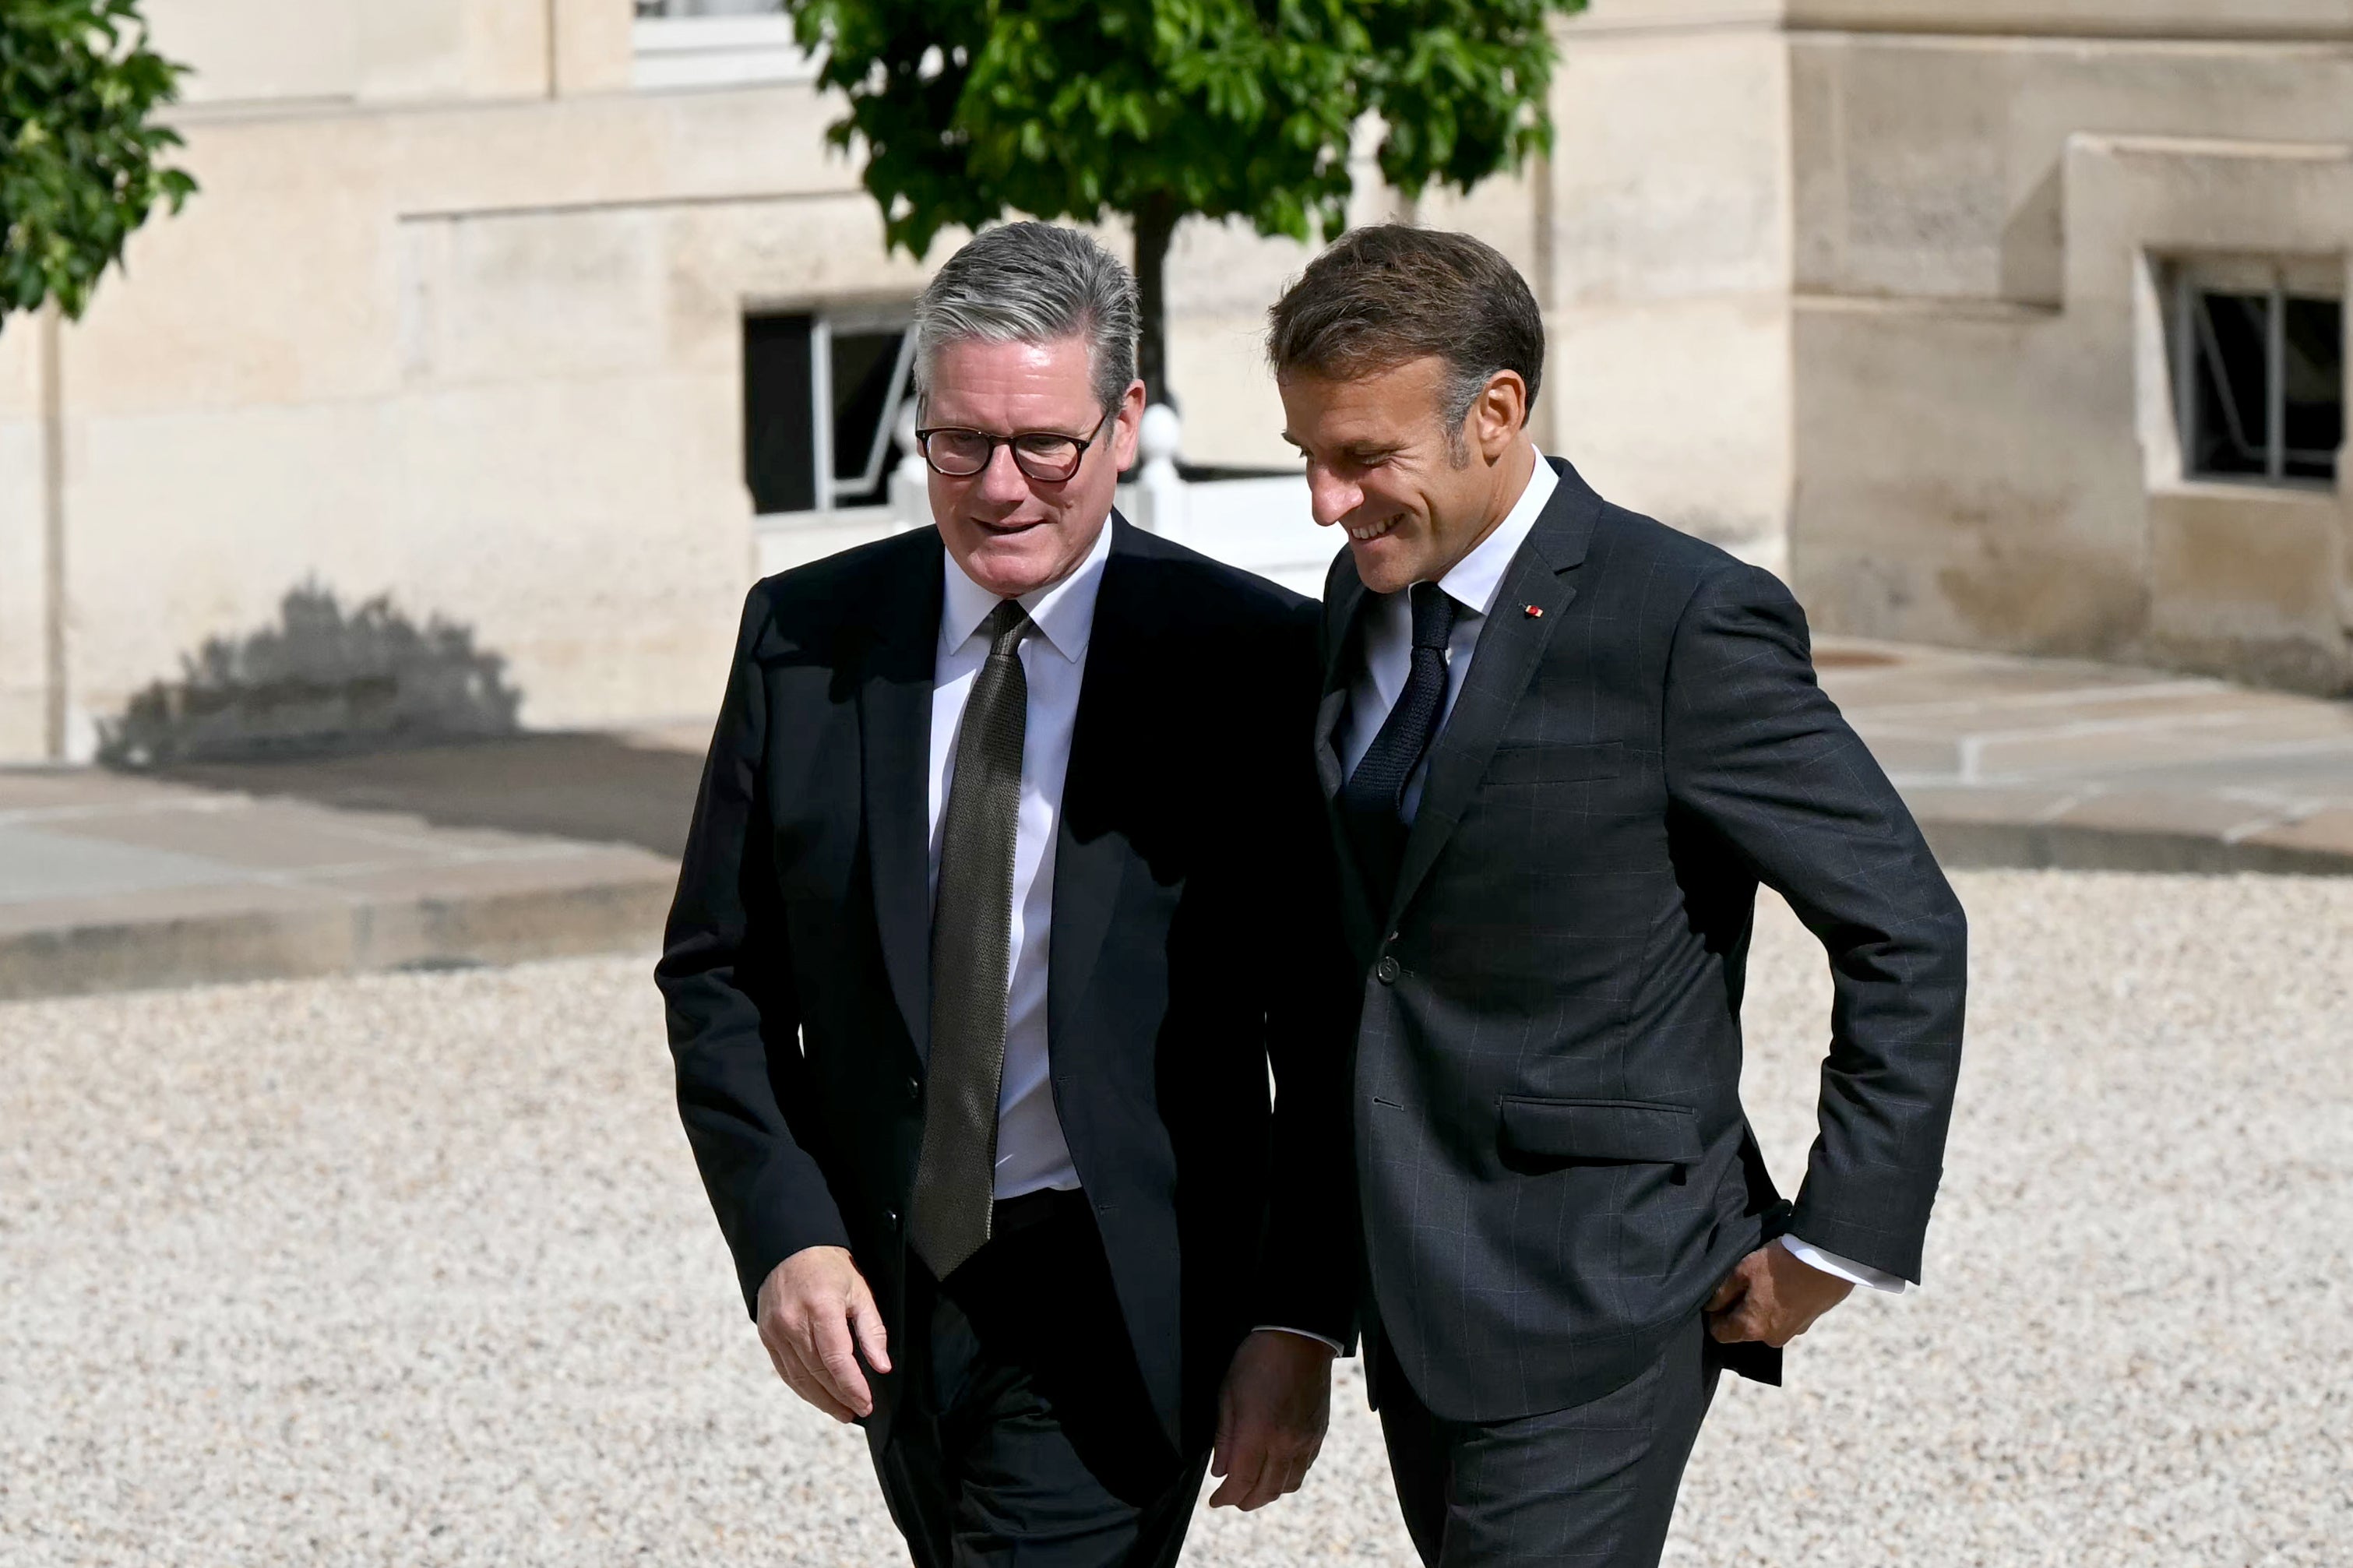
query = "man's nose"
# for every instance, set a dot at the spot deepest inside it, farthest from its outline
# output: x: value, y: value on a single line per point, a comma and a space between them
x: 1002, y: 481
x: 1331, y: 498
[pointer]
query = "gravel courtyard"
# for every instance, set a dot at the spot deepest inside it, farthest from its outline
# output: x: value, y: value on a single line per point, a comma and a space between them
x: 415, y: 1270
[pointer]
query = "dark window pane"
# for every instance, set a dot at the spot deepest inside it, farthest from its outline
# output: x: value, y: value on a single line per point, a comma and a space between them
x: 779, y: 445
x: 2229, y: 429
x: 863, y: 367
x: 2316, y: 386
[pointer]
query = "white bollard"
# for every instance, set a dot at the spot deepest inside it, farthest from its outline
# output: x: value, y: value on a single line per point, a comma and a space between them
x: 911, y: 492
x: 1159, y: 500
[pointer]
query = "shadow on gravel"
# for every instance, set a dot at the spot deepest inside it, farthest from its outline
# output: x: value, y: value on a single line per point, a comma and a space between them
x: 592, y: 786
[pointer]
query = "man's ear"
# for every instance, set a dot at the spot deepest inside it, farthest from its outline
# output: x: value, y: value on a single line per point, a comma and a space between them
x: 1501, y: 409
x: 1127, y: 424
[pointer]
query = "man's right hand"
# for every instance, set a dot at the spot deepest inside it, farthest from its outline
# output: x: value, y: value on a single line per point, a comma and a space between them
x: 816, y: 1316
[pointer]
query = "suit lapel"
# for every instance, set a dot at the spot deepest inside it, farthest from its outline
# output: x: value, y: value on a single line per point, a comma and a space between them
x: 1344, y: 633
x: 1342, y: 619
x: 1511, y: 645
x: 1089, y: 858
x: 895, y: 702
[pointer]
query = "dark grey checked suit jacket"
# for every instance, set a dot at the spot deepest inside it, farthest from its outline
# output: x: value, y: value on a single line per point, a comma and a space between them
x: 1555, y: 1170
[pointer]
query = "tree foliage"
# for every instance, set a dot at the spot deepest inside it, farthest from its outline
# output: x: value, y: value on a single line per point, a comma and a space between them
x: 1160, y: 110
x: 79, y: 149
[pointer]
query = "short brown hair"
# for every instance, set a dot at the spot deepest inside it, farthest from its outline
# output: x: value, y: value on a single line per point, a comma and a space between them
x: 1382, y: 296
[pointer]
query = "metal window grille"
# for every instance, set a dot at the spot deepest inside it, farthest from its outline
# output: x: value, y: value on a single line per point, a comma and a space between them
x: 2259, y: 377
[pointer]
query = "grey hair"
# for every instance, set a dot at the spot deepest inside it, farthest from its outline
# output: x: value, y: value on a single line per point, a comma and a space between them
x: 1033, y: 282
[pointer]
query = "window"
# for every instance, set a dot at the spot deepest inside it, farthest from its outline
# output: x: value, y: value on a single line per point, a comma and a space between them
x: 2259, y: 371
x: 820, y: 395
x: 649, y: 9
x: 687, y: 44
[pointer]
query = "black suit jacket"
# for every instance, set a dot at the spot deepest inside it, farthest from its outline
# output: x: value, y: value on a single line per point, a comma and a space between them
x: 1193, y: 943
x: 1554, y: 1164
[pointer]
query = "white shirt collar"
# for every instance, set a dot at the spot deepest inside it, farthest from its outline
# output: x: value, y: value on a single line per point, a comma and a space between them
x: 1064, y: 612
x: 1478, y: 577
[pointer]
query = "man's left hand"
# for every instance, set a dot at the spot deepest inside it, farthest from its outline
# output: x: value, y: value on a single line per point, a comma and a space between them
x: 1770, y: 1295
x: 1272, y: 1414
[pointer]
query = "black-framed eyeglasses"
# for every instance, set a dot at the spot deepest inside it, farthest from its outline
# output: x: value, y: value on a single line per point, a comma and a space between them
x: 1048, y: 456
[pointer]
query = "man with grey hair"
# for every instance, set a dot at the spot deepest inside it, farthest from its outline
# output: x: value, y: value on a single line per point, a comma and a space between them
x: 1007, y: 887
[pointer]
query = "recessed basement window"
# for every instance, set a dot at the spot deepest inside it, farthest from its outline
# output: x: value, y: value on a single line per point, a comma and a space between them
x: 821, y: 393
x: 2259, y: 372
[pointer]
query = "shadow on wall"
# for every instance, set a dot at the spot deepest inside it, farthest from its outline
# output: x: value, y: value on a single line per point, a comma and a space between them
x: 323, y: 679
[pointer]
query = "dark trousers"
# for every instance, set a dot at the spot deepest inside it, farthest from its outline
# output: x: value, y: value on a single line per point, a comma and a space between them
x: 1592, y: 1485
x: 1028, y: 1440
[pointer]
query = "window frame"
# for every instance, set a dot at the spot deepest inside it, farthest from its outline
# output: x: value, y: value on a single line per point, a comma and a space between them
x: 823, y: 324
x: 669, y: 11
x: 825, y: 320
x: 2278, y: 280
x: 681, y: 52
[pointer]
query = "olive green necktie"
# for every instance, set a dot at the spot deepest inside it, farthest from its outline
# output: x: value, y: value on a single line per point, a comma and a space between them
x: 972, y: 942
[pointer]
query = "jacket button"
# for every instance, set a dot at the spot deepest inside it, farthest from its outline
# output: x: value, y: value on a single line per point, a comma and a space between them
x: 891, y: 1218
x: 1387, y: 971
x: 914, y: 1089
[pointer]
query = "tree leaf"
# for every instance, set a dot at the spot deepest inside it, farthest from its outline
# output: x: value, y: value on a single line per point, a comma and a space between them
x: 966, y: 110
x: 79, y: 147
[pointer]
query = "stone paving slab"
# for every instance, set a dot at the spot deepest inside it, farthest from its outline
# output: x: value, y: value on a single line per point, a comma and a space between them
x: 2325, y: 833
x: 551, y: 844
x: 110, y: 884
x: 2028, y: 762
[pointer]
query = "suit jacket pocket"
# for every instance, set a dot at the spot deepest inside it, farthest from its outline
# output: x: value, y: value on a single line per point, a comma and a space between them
x: 1548, y: 1133
x: 1557, y: 764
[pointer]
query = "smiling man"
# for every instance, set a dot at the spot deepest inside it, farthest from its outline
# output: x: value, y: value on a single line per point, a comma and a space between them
x: 1562, y: 745
x: 1006, y: 889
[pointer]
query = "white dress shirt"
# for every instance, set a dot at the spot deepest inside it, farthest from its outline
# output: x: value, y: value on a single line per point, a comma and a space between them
x: 1472, y: 584
x: 1031, y: 1154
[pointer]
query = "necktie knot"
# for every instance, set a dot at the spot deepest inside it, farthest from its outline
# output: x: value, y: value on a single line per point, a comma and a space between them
x: 1005, y: 627
x: 1433, y: 616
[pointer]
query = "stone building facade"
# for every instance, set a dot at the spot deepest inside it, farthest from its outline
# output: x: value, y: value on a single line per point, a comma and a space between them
x: 1987, y: 322
x: 1987, y: 315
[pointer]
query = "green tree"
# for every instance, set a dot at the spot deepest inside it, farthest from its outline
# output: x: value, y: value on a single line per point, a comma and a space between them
x: 1165, y: 109
x: 79, y: 149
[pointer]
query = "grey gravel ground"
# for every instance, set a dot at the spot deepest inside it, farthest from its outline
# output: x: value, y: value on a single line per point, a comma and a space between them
x: 415, y: 1270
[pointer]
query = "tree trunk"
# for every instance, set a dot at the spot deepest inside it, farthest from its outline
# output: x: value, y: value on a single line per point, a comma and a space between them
x: 1155, y: 224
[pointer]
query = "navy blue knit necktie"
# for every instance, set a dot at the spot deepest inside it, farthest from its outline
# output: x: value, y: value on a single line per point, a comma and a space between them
x: 1372, y: 801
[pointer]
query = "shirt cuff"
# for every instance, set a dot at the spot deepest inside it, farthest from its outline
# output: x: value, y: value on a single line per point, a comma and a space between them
x: 1845, y: 1268
x: 1306, y: 1334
